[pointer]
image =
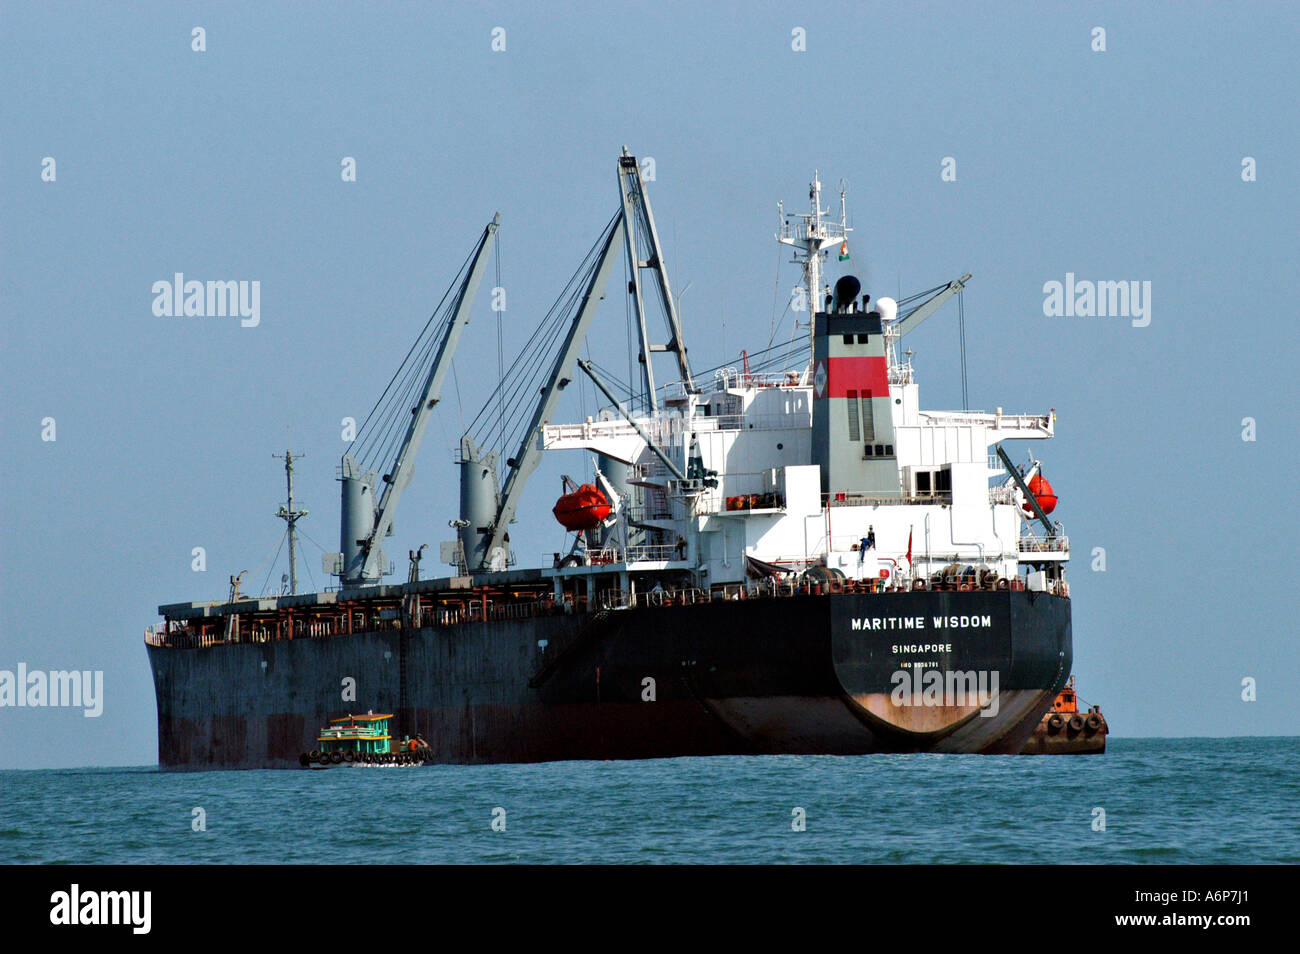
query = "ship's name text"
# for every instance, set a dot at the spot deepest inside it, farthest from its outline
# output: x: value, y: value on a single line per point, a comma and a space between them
x: 918, y: 622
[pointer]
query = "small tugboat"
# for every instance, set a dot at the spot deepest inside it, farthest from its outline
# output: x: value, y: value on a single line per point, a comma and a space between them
x: 1064, y: 730
x: 363, y: 740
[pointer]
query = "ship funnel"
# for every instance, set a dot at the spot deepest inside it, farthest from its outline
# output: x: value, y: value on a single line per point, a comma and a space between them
x: 846, y: 293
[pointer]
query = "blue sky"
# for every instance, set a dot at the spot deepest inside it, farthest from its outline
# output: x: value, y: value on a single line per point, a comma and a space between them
x: 225, y: 164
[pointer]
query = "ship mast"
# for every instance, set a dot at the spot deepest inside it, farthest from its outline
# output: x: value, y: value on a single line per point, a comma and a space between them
x: 810, y: 237
x: 291, y: 516
x: 641, y: 240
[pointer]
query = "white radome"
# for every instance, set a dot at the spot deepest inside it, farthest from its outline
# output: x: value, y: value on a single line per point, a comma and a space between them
x: 888, y: 309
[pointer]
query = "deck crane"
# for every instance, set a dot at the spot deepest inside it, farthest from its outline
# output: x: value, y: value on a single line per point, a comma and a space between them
x: 365, y: 522
x: 912, y: 320
x: 487, y: 514
x: 491, y: 551
x: 644, y: 253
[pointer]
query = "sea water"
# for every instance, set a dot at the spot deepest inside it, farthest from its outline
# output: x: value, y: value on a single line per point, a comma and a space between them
x: 1206, y: 801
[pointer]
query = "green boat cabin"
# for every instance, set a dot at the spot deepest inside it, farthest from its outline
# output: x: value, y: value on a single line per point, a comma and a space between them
x: 357, y: 733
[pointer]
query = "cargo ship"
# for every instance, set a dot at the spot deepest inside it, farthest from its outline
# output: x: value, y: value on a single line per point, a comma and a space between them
x: 785, y: 556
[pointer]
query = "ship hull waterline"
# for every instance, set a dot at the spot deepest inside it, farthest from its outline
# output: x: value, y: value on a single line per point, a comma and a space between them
x: 803, y: 674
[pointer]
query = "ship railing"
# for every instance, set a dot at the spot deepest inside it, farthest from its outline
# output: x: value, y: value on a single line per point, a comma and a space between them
x: 806, y: 229
x: 1004, y: 495
x: 517, y: 610
x: 680, y: 596
x: 641, y: 553
x: 659, y: 428
x: 996, y: 495
x: 814, y: 555
x: 752, y: 422
x: 654, y: 472
x: 768, y: 500
x: 180, y: 637
x: 476, y: 612
x: 654, y: 552
x: 616, y: 600
x: 752, y: 490
x: 1057, y: 544
x: 1038, y: 423
x: 654, y: 598
x: 843, y: 499
x: 166, y: 633
x: 642, y: 512
x: 901, y: 374
x: 728, y: 378
x: 604, y: 556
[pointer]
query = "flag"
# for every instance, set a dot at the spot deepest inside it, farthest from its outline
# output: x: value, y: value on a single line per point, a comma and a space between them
x: 844, y: 251
x: 909, y: 547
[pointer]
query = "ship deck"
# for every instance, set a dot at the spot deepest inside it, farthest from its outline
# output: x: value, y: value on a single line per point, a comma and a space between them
x: 451, y: 601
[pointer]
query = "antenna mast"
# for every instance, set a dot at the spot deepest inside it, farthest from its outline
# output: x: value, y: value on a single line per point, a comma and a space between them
x: 290, y: 516
x: 810, y: 237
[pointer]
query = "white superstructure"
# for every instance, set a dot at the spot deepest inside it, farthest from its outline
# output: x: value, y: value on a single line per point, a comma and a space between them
x: 732, y: 478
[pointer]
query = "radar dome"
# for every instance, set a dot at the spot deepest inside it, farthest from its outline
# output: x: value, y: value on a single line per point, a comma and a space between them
x: 888, y: 309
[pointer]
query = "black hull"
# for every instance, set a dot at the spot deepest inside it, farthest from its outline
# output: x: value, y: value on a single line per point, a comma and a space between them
x: 775, y: 675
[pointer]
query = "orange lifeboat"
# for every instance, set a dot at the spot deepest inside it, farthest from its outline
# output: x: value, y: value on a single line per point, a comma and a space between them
x: 1043, y: 493
x: 584, y: 509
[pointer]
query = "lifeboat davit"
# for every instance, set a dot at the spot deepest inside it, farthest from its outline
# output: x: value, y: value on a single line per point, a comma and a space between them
x: 1043, y: 493
x: 584, y: 509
